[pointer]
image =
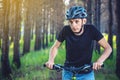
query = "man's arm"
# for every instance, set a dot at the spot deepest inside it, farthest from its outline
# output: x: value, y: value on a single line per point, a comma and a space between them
x: 52, y: 54
x: 106, y: 53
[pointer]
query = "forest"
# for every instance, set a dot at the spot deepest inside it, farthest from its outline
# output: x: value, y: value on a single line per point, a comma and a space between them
x: 28, y: 28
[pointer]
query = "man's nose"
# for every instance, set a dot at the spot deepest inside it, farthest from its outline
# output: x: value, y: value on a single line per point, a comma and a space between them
x: 73, y: 24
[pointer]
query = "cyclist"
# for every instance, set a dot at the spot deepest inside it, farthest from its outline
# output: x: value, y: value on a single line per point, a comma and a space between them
x: 79, y: 37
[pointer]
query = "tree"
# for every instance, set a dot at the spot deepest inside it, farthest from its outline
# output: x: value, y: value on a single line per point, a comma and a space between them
x: 16, y: 57
x: 1, y: 22
x: 89, y: 11
x: 43, y: 24
x: 118, y: 38
x: 110, y: 24
x: 46, y: 23
x: 27, y: 27
x: 59, y: 16
x: 38, y: 22
x: 6, y: 70
x: 97, y: 20
x: 52, y: 21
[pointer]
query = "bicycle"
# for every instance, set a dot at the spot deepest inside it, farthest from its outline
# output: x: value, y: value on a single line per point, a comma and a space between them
x: 83, y: 69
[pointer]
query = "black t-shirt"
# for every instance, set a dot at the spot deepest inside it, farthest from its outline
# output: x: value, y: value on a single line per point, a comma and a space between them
x: 79, y: 47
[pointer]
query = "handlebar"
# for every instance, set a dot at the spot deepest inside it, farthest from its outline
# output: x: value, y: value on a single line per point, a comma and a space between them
x: 83, y: 69
x: 56, y: 67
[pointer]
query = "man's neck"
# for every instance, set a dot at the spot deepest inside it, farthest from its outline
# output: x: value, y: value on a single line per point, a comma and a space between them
x: 80, y: 32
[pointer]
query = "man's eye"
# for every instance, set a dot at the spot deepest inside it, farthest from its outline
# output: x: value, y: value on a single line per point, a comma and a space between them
x: 76, y: 21
x: 70, y: 22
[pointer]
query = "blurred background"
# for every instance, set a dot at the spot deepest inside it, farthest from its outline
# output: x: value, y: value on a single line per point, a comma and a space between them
x: 28, y: 28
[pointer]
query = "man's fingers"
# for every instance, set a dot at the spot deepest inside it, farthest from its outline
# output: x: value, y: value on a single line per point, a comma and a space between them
x: 96, y: 66
x: 49, y: 65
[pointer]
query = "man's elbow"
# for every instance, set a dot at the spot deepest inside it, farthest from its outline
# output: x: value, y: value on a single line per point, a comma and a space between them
x: 110, y: 49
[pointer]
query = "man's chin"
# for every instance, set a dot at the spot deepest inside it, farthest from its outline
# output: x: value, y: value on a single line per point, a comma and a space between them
x: 76, y: 32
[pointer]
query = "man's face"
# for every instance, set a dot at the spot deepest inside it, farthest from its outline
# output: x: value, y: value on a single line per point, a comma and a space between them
x: 76, y: 24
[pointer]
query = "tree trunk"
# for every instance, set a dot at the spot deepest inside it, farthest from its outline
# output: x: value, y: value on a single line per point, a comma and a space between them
x: 0, y: 42
x: 6, y: 70
x: 38, y: 28
x: 52, y: 22
x: 46, y: 26
x: 110, y: 24
x: 118, y: 38
x: 43, y: 26
x: 27, y: 29
x: 89, y: 10
x: 1, y: 24
x: 16, y: 57
x: 97, y: 21
x: 38, y: 37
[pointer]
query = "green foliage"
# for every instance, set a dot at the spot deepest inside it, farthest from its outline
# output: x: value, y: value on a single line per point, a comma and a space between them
x: 32, y: 65
x: 108, y: 72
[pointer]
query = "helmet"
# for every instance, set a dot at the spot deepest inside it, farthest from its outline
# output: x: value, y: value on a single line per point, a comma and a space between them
x: 76, y: 12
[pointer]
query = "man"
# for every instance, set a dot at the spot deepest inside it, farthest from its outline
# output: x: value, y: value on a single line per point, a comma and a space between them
x: 78, y: 37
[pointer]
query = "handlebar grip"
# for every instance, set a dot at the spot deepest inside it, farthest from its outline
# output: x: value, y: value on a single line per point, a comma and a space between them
x: 44, y: 65
x: 54, y: 66
x: 102, y: 65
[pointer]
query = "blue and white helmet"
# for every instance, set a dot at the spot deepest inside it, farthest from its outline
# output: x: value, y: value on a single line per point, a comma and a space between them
x: 76, y: 12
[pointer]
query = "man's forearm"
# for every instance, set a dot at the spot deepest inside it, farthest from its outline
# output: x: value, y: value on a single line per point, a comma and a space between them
x: 52, y: 54
x: 105, y: 55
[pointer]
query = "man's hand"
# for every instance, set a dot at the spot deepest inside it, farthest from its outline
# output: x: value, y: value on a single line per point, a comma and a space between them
x: 97, y: 65
x: 49, y: 64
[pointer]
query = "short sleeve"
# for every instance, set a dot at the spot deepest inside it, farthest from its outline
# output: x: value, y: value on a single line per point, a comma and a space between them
x: 61, y: 35
x: 97, y: 35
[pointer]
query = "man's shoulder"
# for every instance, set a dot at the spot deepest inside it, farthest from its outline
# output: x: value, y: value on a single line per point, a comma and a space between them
x: 66, y: 26
x: 89, y: 25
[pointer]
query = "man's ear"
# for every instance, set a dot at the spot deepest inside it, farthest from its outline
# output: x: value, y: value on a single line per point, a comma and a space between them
x: 84, y: 21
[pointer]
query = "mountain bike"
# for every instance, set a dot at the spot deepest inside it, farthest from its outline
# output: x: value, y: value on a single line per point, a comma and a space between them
x: 79, y: 70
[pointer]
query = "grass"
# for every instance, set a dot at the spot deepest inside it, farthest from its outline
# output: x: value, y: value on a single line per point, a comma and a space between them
x: 108, y: 72
x: 32, y: 65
